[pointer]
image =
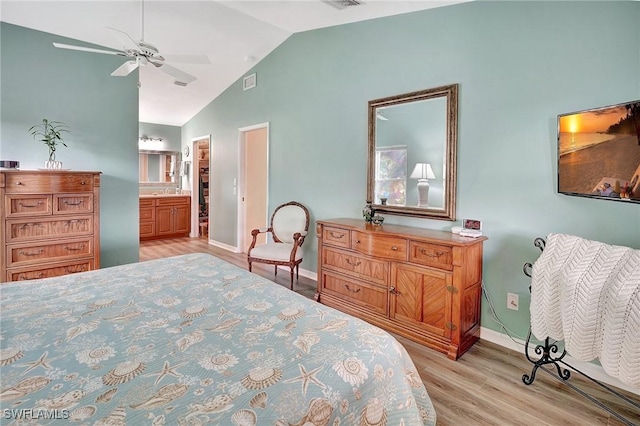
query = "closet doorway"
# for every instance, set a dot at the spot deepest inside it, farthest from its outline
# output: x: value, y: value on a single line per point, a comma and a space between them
x: 253, y: 183
x: 200, y: 207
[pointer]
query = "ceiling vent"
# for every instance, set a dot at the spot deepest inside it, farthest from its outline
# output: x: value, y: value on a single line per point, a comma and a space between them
x: 342, y: 4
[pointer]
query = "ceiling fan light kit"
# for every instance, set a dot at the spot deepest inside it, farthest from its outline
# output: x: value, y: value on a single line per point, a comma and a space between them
x: 144, y: 53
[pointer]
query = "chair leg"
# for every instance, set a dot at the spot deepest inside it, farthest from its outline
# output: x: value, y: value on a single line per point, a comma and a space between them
x: 275, y: 270
x: 297, y: 270
x: 249, y: 266
x: 292, y: 278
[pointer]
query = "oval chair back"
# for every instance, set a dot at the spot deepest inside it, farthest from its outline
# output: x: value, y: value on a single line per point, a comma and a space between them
x: 289, y: 226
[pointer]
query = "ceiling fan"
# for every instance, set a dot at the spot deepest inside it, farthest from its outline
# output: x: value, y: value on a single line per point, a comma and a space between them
x: 143, y: 53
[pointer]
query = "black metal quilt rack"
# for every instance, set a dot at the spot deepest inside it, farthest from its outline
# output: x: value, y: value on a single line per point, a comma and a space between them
x: 548, y: 354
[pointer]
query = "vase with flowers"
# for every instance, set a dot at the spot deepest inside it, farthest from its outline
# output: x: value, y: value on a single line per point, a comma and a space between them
x: 50, y: 132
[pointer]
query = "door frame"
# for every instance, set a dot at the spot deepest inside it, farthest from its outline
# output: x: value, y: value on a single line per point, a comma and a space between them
x: 194, y: 173
x: 242, y: 185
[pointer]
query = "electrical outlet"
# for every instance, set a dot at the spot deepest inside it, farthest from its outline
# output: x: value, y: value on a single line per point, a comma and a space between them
x: 512, y: 301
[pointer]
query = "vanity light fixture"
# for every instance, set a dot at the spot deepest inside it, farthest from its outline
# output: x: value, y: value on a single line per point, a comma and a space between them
x: 145, y: 138
x: 423, y: 172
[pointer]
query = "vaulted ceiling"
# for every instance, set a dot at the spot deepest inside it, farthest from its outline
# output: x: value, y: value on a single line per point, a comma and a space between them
x: 234, y: 35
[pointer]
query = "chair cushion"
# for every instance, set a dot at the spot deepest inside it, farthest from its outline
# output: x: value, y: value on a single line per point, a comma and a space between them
x: 275, y: 251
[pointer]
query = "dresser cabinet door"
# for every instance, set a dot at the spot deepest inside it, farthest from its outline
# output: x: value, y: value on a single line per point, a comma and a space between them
x: 164, y: 220
x: 182, y: 219
x: 421, y: 297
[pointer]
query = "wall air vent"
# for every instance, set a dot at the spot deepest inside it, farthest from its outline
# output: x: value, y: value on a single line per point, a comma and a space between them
x: 342, y: 4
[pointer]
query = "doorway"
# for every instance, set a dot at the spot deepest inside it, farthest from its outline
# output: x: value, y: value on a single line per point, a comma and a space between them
x: 253, y: 183
x: 200, y: 172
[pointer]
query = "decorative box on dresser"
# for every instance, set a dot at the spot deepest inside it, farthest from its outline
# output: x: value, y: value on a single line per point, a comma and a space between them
x: 50, y: 223
x: 422, y: 284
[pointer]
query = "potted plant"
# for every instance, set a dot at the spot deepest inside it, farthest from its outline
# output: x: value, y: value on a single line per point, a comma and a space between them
x: 50, y: 133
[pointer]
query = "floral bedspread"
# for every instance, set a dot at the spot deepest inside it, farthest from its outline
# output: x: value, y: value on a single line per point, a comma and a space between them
x: 193, y: 340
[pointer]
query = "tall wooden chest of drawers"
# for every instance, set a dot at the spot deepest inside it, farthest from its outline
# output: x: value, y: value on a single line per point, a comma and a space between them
x: 421, y: 284
x: 50, y: 223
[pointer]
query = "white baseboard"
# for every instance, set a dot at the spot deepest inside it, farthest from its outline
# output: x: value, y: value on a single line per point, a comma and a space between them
x: 304, y: 272
x: 224, y: 246
x: 593, y: 370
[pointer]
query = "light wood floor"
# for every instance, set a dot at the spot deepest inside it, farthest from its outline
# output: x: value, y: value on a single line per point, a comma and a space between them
x: 484, y: 387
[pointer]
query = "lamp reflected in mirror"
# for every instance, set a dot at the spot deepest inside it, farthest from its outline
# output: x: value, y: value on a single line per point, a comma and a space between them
x: 423, y: 172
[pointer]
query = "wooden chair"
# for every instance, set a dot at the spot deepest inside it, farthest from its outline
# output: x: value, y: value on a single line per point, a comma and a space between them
x: 289, y: 226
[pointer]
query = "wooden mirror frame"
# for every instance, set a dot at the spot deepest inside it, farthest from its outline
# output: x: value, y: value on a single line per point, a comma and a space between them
x: 450, y: 92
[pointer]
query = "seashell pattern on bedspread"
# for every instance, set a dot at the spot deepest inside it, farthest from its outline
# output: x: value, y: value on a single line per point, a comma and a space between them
x: 193, y: 339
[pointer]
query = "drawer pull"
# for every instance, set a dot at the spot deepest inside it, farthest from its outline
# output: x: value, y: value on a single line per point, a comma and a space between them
x: 352, y: 291
x: 83, y: 183
x: 352, y: 263
x: 74, y: 248
x: 394, y: 248
x: 357, y: 241
x: 30, y: 206
x: 74, y: 221
x: 393, y: 290
x: 31, y: 224
x: 19, y: 183
x: 31, y: 253
x: 426, y: 253
x: 69, y: 203
x: 74, y: 270
x: 336, y: 235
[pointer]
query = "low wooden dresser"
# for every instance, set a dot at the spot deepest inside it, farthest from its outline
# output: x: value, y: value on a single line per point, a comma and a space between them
x: 50, y: 223
x: 421, y: 284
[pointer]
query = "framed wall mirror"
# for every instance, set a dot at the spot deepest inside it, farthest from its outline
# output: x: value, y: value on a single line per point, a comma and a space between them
x: 411, y: 168
x: 159, y: 166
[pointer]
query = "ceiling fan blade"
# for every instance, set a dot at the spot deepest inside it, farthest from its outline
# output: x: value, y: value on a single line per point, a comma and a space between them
x: 125, y: 69
x: 89, y: 49
x: 186, y: 59
x: 125, y: 39
x: 182, y: 78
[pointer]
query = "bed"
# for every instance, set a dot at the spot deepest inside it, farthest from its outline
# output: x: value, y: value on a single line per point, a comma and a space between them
x: 190, y: 340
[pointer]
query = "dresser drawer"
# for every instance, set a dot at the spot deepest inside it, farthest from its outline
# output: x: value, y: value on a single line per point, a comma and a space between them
x: 366, y: 295
x: 20, y: 254
x: 47, y: 227
x: 172, y: 201
x: 147, y: 229
x: 28, y: 205
x: 147, y: 214
x: 434, y: 255
x: 31, y: 273
x: 52, y: 182
x: 147, y: 202
x: 371, y: 270
x: 336, y: 237
x: 379, y: 246
x: 72, y: 203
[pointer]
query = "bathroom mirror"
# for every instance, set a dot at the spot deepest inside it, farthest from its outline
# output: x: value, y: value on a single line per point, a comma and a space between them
x: 159, y: 166
x: 411, y: 168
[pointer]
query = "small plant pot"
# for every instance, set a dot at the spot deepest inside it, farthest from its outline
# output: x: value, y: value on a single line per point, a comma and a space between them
x: 377, y: 220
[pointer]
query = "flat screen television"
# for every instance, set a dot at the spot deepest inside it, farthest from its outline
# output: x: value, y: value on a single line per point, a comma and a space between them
x: 599, y: 152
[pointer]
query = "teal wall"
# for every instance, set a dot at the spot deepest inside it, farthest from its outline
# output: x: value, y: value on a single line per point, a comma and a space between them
x: 171, y: 136
x: 39, y: 81
x: 518, y: 64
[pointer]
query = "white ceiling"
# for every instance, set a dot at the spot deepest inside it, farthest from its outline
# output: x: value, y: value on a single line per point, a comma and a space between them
x: 228, y: 32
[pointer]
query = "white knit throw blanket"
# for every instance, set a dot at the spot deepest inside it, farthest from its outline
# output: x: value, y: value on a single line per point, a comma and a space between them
x: 587, y: 293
